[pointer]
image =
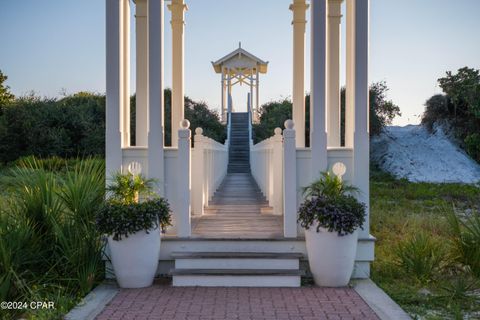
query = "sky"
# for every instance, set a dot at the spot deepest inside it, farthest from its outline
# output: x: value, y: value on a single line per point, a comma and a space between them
x: 53, y: 47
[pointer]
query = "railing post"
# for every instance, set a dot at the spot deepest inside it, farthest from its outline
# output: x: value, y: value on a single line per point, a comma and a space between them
x: 290, y: 182
x: 198, y: 169
x: 278, y: 172
x: 183, y: 173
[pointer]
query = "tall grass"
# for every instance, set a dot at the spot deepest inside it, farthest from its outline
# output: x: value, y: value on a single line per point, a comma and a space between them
x: 50, y: 245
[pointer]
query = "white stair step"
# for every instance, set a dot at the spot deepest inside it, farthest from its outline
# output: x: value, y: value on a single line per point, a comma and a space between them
x: 235, y: 278
x: 236, y: 260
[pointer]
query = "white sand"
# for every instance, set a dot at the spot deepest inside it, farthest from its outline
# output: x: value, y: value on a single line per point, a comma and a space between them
x: 412, y: 152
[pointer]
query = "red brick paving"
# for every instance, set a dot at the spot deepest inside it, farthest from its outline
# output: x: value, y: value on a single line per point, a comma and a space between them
x: 196, y: 303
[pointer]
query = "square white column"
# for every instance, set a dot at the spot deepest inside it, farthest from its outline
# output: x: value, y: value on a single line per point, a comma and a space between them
x: 318, y: 69
x: 141, y: 111
x: 361, y: 141
x: 115, y: 85
x: 155, y: 94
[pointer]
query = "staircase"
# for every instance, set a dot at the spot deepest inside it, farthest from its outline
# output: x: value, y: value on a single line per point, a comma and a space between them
x: 238, y: 213
x: 239, y: 152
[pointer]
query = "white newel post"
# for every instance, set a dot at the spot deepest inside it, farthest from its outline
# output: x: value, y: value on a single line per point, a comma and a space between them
x: 299, y: 8
x: 155, y: 94
x: 361, y: 134
x: 141, y: 112
x: 290, y: 182
x: 333, y: 72
x: 278, y: 172
x: 318, y: 134
x: 183, y: 174
x: 178, y: 8
x: 198, y: 173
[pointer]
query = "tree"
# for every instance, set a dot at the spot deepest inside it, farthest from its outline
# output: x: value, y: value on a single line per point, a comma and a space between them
x: 458, y: 107
x: 273, y: 114
x: 5, y: 95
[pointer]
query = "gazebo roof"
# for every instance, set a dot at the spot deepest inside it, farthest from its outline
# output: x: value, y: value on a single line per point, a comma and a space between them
x: 240, y: 59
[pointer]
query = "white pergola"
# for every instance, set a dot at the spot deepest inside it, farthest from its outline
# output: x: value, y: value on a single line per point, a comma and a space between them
x: 240, y: 67
x: 325, y: 18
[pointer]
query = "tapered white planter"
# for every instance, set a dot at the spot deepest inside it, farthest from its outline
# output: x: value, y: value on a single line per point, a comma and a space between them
x: 135, y: 259
x: 331, y: 257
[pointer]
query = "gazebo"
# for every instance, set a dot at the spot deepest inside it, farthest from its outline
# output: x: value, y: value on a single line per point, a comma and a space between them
x: 188, y: 177
x: 240, y: 67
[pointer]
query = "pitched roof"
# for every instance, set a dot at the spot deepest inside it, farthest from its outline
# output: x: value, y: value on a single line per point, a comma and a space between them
x: 239, y: 52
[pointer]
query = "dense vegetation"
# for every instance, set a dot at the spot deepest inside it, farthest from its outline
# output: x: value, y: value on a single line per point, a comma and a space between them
x: 50, y: 249
x: 75, y: 125
x: 458, y: 108
x: 427, y: 254
x: 274, y: 114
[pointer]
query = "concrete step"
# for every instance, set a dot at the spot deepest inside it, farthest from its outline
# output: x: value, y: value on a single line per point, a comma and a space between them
x: 235, y: 278
x: 236, y: 260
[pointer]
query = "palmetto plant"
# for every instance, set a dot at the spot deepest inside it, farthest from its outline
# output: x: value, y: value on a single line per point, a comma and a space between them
x: 49, y: 241
x: 465, y: 240
x: 330, y: 186
x: 127, y: 188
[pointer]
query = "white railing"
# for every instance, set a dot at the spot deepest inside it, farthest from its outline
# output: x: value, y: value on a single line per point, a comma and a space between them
x: 209, y: 167
x: 266, y: 163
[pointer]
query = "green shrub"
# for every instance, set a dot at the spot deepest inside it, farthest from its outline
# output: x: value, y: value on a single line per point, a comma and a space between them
x: 465, y: 241
x: 459, y: 107
x: 121, y: 220
x: 420, y: 256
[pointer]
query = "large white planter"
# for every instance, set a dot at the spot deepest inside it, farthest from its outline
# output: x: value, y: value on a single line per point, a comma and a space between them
x: 135, y: 259
x: 331, y: 257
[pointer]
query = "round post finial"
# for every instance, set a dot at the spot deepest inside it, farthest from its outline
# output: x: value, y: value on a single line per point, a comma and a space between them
x: 278, y: 131
x: 289, y: 124
x: 184, y: 124
x: 199, y: 131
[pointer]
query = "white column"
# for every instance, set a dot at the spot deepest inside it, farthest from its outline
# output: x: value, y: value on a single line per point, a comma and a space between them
x: 299, y: 8
x: 318, y: 135
x: 229, y: 90
x: 277, y: 172
x: 290, y: 181
x: 257, y: 98
x: 333, y: 72
x: 183, y: 173
x: 155, y: 94
x: 361, y: 133
x: 125, y: 75
x: 199, y: 176
x: 114, y: 65
x: 224, y: 104
x: 350, y: 78
x: 178, y: 9
x: 141, y: 112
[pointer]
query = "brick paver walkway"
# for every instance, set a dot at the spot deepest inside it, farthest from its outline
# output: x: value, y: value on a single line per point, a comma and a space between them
x: 195, y: 303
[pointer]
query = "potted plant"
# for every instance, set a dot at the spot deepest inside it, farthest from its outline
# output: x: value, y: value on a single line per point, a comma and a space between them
x: 132, y: 218
x: 331, y: 217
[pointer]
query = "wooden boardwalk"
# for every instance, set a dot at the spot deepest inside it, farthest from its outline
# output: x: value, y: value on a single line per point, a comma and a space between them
x: 238, y: 210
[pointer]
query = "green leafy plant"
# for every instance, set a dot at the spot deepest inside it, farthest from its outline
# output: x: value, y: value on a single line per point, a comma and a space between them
x: 50, y: 247
x: 329, y: 185
x: 420, y: 256
x: 127, y: 188
x: 465, y: 240
x: 329, y: 205
x: 124, y: 213
x: 121, y: 220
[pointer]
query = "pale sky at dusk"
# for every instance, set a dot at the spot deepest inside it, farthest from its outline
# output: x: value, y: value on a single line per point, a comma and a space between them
x: 51, y: 45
